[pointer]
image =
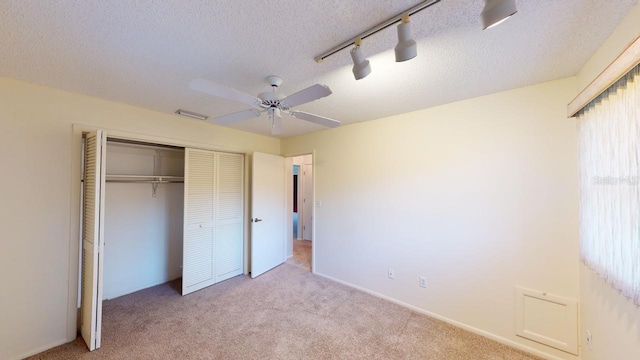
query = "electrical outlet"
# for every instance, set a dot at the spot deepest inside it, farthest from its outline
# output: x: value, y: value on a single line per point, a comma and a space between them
x: 589, y: 338
x: 423, y: 281
x: 392, y: 273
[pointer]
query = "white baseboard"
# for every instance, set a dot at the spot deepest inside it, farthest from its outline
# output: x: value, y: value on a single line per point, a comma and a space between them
x: 131, y: 291
x: 455, y: 323
x: 41, y: 349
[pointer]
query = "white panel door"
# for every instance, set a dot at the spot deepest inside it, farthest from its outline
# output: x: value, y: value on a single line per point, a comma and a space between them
x: 93, y: 239
x: 198, y: 263
x: 307, y: 210
x: 268, y: 217
x: 229, y: 224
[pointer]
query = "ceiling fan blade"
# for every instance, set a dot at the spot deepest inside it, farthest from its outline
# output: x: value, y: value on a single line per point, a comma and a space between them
x: 236, y: 117
x: 309, y: 94
x: 207, y: 87
x: 320, y: 120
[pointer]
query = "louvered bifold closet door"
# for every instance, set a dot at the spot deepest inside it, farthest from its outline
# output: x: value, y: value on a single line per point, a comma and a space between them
x: 198, y: 239
x: 93, y: 239
x: 229, y: 215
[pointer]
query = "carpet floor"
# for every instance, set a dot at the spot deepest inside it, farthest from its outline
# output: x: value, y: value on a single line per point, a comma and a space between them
x: 301, y: 254
x: 287, y: 313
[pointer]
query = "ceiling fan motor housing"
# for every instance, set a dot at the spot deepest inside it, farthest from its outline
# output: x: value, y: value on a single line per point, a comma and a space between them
x: 271, y: 99
x: 274, y: 80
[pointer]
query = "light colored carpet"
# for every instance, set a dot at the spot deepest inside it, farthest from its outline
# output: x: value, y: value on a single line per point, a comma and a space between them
x: 287, y: 313
x: 301, y: 254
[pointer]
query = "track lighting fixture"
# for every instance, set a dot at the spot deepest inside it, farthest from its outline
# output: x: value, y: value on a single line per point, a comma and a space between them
x: 494, y: 13
x: 404, y: 32
x: 361, y: 66
x: 497, y: 11
x: 406, y: 48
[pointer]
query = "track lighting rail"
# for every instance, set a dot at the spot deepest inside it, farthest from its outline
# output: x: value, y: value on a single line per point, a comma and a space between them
x: 383, y: 25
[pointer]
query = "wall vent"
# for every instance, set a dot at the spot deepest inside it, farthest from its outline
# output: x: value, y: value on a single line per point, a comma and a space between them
x: 548, y: 319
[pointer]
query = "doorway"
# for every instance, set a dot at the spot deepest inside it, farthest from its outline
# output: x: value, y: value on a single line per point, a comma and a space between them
x: 300, y: 195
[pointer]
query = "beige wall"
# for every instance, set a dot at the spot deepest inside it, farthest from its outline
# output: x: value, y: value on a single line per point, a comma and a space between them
x: 35, y: 207
x: 612, y: 319
x: 478, y: 196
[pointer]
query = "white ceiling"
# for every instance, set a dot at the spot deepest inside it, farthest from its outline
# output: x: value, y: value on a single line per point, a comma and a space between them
x: 144, y: 52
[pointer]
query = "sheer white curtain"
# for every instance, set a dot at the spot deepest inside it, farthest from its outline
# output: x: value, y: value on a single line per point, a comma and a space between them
x: 609, y: 157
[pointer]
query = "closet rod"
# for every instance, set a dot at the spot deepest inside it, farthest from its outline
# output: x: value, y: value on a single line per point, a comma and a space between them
x: 147, y: 181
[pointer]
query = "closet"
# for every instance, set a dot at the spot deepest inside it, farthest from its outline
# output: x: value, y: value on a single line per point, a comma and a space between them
x: 153, y: 213
x: 144, y: 200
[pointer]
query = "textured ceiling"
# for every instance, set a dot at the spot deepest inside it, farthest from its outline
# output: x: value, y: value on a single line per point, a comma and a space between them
x: 144, y: 52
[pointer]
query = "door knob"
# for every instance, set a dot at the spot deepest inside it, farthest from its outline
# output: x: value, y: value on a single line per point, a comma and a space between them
x: 256, y: 220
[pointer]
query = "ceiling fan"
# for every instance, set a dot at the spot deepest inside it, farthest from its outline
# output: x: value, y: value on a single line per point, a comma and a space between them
x: 272, y: 102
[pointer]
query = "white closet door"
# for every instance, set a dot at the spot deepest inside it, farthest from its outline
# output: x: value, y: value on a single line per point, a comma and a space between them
x: 93, y: 239
x: 267, y: 207
x: 198, y: 263
x: 229, y: 215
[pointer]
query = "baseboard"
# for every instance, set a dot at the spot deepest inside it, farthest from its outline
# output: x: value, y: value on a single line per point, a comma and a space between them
x: 40, y: 349
x: 455, y: 323
x: 131, y: 291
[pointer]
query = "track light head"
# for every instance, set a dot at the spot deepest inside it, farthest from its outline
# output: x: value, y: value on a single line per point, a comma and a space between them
x: 497, y: 11
x: 406, y: 48
x: 361, y: 66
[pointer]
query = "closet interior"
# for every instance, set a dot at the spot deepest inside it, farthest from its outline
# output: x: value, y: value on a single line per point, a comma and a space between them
x: 144, y: 201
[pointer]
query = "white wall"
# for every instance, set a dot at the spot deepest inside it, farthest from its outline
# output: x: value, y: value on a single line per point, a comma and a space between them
x: 299, y: 161
x: 289, y: 163
x: 36, y: 152
x: 613, y: 320
x: 306, y: 197
x: 143, y: 233
x: 478, y: 195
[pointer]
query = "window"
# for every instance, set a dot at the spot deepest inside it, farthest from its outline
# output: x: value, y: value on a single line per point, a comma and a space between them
x: 609, y: 158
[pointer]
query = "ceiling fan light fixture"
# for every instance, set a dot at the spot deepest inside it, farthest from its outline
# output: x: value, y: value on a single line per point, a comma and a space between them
x: 275, y: 120
x: 497, y: 11
x: 407, y: 48
x: 361, y: 66
x: 274, y: 112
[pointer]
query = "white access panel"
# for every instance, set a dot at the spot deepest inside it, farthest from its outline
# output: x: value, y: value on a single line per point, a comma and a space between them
x: 548, y: 319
